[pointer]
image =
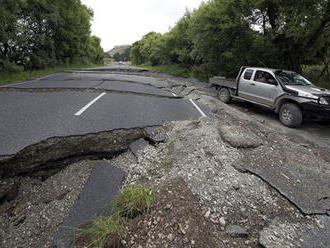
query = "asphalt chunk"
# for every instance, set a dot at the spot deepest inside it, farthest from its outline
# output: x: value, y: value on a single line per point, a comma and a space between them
x: 101, y: 188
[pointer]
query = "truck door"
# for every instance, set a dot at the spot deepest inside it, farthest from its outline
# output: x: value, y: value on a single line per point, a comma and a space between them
x: 261, y: 88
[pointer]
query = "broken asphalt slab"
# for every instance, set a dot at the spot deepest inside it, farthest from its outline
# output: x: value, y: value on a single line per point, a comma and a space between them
x: 132, y: 87
x: 138, y: 146
x: 298, y: 172
x: 281, y: 233
x: 100, y: 84
x: 54, y: 151
x: 102, y: 187
x: 307, y: 189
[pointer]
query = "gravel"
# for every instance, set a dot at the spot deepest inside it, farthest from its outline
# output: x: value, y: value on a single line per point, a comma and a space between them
x: 32, y: 218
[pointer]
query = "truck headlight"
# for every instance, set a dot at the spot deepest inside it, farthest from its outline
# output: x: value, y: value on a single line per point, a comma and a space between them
x: 323, y: 101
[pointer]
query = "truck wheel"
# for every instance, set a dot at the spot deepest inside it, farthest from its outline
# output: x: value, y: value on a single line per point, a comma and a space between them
x: 224, y: 95
x: 290, y: 115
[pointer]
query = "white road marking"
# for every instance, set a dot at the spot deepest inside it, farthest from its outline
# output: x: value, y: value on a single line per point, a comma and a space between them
x: 199, y: 110
x: 88, y: 105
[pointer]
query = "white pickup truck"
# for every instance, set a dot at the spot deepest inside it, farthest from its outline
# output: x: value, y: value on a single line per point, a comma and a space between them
x: 285, y: 92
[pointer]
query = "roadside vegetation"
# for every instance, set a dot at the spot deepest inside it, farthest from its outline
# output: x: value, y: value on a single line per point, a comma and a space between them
x: 222, y: 35
x: 10, y: 77
x: 40, y: 34
x: 108, y: 231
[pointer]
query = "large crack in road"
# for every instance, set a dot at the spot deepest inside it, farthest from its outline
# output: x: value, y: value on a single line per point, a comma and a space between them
x: 53, y: 153
x: 88, y: 90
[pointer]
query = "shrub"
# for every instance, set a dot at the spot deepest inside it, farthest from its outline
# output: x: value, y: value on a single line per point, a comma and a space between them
x: 8, y: 66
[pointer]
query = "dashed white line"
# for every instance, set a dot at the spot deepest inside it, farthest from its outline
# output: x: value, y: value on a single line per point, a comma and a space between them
x: 89, y: 104
x: 199, y: 110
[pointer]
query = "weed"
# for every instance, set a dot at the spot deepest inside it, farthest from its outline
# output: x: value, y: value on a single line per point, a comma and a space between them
x: 131, y: 202
x: 96, y: 234
x: 134, y: 201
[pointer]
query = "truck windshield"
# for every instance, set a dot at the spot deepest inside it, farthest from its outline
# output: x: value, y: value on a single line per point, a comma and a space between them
x: 292, y: 78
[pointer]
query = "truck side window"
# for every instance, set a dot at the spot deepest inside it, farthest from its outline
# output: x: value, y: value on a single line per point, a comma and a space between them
x: 248, y: 74
x: 263, y: 77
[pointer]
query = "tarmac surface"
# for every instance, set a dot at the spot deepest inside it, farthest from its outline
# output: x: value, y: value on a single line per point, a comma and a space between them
x: 78, y: 103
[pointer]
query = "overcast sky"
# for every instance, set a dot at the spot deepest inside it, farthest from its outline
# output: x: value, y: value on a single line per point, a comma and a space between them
x: 119, y: 22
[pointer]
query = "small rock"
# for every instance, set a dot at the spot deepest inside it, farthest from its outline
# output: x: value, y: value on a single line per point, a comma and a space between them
x: 236, y: 187
x: 193, y: 242
x: 181, y: 229
x: 222, y: 221
x: 236, y: 231
x: 320, y: 224
x: 168, y: 206
x: 207, y: 214
x: 170, y: 237
x: 19, y: 220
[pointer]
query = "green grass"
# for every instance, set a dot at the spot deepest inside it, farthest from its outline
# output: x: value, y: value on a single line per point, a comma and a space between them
x: 134, y: 201
x: 174, y: 70
x: 98, y: 232
x: 11, y: 77
x: 131, y: 202
x: 312, y: 72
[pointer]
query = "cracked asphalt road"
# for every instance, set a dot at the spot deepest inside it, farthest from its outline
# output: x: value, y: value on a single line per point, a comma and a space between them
x: 51, y: 109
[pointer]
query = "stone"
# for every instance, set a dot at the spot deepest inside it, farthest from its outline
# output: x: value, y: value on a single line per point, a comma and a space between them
x: 222, y: 221
x: 236, y: 231
x: 239, y: 137
x: 170, y: 237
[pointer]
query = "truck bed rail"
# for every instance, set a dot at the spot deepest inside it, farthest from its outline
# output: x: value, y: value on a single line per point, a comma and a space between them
x: 224, y: 82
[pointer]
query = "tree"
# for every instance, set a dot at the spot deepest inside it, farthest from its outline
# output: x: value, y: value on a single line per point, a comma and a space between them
x: 41, y: 33
x: 222, y: 35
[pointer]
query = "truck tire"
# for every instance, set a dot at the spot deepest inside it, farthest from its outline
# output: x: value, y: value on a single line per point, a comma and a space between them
x: 224, y: 95
x: 290, y: 115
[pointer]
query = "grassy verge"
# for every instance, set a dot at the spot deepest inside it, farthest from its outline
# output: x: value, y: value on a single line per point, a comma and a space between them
x: 110, y: 230
x: 174, y: 70
x: 10, y: 77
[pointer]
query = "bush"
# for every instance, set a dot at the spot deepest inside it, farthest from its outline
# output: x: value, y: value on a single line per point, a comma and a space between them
x: 8, y: 66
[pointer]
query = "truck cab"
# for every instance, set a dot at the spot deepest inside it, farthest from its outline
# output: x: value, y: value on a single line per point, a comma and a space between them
x: 285, y: 92
x: 259, y: 85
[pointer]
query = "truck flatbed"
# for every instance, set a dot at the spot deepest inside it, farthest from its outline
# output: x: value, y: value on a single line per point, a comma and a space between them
x: 224, y: 82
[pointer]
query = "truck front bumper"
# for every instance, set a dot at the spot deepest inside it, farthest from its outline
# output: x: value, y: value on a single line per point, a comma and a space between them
x: 315, y: 110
